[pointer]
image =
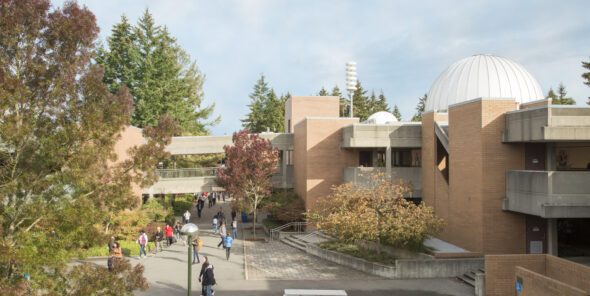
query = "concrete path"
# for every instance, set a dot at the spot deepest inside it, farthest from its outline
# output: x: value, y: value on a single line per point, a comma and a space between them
x: 272, y: 267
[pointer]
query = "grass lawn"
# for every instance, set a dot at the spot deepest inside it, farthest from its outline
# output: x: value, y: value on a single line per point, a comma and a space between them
x: 130, y: 248
x: 356, y: 251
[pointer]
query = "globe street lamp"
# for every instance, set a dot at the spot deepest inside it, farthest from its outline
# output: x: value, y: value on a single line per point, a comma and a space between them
x: 350, y: 81
x: 189, y: 230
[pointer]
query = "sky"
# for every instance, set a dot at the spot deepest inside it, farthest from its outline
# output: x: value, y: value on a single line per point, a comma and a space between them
x: 400, y: 46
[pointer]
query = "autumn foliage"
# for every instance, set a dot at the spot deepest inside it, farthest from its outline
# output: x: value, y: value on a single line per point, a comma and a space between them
x: 376, y: 212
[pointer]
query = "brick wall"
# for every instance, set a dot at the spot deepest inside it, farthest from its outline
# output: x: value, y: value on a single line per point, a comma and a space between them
x: 536, y: 284
x: 297, y: 108
x: 130, y: 136
x: 501, y: 273
x: 537, y: 104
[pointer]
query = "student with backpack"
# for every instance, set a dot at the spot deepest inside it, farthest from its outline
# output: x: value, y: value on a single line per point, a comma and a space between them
x: 142, y: 240
x: 197, y: 244
x: 208, y: 278
x: 215, y: 225
x: 228, y: 241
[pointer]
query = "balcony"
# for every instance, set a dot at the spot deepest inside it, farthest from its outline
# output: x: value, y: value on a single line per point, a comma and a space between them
x: 547, y: 124
x: 401, y: 134
x: 548, y: 194
x: 359, y: 176
x: 186, y: 173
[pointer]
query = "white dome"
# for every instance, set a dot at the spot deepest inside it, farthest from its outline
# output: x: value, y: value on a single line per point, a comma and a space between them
x: 482, y: 76
x: 381, y: 117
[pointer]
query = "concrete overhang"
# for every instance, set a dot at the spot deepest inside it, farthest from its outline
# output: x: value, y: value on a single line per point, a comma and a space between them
x: 548, y: 194
x: 214, y: 144
x: 399, y: 134
x: 551, y: 123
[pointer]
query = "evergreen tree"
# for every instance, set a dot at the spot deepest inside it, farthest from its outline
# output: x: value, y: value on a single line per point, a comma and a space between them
x: 254, y: 121
x: 274, y: 111
x: 344, y: 103
x: 372, y: 103
x: 381, y: 103
x: 586, y: 76
x: 396, y: 113
x: 158, y: 73
x: 420, y: 108
x: 560, y: 98
x: 323, y: 92
x: 361, y: 108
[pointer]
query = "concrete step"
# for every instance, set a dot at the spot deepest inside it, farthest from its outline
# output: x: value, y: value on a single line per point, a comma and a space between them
x: 294, y: 239
x: 293, y: 242
x: 470, y: 275
x: 467, y: 280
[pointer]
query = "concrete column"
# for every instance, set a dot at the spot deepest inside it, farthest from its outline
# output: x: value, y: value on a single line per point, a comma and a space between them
x: 550, y: 157
x: 388, y: 160
x: 552, y: 236
x: 284, y: 169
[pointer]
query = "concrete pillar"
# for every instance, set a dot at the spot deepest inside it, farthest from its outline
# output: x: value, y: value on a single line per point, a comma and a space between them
x: 550, y: 157
x: 284, y: 169
x: 388, y: 160
x: 552, y: 236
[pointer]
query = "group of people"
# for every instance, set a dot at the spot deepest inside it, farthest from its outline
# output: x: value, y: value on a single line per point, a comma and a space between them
x: 115, y: 253
x: 226, y: 239
x: 212, y: 198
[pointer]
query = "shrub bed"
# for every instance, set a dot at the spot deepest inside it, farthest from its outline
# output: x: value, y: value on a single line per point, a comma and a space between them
x: 129, y: 248
x: 354, y: 250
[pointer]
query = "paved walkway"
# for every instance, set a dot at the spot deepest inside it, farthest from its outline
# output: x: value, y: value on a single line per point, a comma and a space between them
x: 272, y: 267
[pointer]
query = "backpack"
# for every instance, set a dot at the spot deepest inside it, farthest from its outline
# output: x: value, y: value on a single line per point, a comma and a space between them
x: 142, y: 240
x: 199, y: 243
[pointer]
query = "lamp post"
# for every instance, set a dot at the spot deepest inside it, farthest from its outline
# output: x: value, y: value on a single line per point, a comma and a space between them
x: 189, y: 230
x: 350, y: 81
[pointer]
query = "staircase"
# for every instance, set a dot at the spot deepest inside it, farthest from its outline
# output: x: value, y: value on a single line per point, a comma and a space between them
x: 299, y: 241
x: 469, y: 277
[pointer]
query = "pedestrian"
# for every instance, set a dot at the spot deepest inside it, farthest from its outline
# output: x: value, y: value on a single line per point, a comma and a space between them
x: 169, y: 232
x: 217, y: 196
x: 187, y: 217
x: 234, y: 228
x: 222, y: 234
x: 213, y: 199
x: 233, y: 215
x: 209, y: 199
x: 228, y: 241
x: 197, y: 244
x: 142, y: 240
x: 208, y: 278
x: 220, y: 215
x: 200, y: 205
x: 111, y: 244
x: 223, y: 195
x: 177, y: 229
x: 215, y: 225
x: 159, y: 238
x: 114, y: 256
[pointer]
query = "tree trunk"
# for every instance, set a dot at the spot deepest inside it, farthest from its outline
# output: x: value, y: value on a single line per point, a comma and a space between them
x: 255, y: 210
x: 379, y: 245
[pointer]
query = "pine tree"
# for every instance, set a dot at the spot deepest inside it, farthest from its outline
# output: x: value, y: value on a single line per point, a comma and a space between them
x: 372, y: 103
x: 158, y: 73
x: 586, y: 76
x: 361, y: 108
x: 382, y: 103
x: 274, y: 113
x: 255, y: 121
x: 344, y: 103
x: 396, y: 113
x: 560, y: 98
x: 420, y: 108
x: 323, y: 92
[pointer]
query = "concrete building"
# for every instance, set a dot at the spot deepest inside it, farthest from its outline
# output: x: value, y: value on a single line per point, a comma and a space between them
x: 506, y: 170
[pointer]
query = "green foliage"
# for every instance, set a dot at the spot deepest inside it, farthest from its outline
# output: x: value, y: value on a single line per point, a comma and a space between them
x: 586, y: 76
x: 364, y: 106
x: 396, y: 113
x: 129, y: 248
x: 87, y: 279
x: 560, y: 98
x: 195, y: 161
x: 285, y: 206
x: 182, y: 204
x: 420, y: 108
x: 155, y: 211
x: 271, y: 223
x: 360, y: 102
x: 356, y: 251
x: 267, y: 110
x: 159, y: 74
x: 127, y: 225
x: 344, y: 103
x: 323, y: 92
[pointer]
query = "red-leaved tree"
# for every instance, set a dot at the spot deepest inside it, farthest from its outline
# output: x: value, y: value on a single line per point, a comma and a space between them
x: 248, y: 167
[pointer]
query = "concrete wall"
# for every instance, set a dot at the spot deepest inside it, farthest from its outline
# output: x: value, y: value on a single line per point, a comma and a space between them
x: 182, y: 185
x: 548, y: 123
x: 214, y: 144
x: 541, y: 275
x: 549, y: 194
x: 436, y: 268
x: 319, y: 162
x: 359, y: 176
x: 401, y: 134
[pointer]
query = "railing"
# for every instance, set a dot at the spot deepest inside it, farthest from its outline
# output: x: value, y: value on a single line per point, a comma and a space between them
x: 299, y: 228
x: 186, y: 173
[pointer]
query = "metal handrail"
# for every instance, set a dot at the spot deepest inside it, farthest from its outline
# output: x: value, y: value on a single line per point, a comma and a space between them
x: 187, y: 173
x: 298, y: 228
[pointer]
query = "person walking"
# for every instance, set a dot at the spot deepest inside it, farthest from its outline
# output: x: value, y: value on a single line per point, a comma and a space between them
x: 208, y: 278
x: 142, y: 240
x: 197, y: 244
x: 187, y: 217
x: 209, y: 199
x: 223, y: 195
x: 177, y: 229
x: 220, y: 215
x: 234, y: 228
x: 223, y: 234
x: 115, y: 255
x: 200, y: 205
x: 228, y: 241
x: 169, y: 232
x: 233, y: 215
x: 111, y: 244
x: 159, y: 238
x: 215, y: 224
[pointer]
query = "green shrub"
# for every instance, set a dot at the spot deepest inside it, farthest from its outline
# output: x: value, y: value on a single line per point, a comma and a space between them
x: 126, y: 225
x: 356, y: 251
x: 285, y: 206
x: 155, y: 210
x: 129, y: 248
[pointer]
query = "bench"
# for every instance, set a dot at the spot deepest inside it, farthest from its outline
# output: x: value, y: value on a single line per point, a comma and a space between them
x: 309, y: 292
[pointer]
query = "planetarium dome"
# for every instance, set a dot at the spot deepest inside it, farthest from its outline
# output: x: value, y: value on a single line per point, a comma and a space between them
x: 482, y: 76
x: 381, y: 117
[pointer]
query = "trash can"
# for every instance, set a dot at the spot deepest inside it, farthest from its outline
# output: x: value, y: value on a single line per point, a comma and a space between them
x: 244, y: 217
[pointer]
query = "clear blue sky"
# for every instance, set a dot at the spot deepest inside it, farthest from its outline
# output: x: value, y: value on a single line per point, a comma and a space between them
x: 400, y: 46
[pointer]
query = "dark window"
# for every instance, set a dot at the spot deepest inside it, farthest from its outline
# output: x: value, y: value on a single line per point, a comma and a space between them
x: 365, y: 158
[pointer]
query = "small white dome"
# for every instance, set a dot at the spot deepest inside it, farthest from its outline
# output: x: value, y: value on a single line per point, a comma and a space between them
x: 482, y: 76
x: 381, y: 117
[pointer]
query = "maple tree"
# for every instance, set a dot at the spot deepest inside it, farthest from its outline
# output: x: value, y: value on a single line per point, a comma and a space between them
x: 248, y: 168
x: 375, y: 211
x: 60, y: 179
